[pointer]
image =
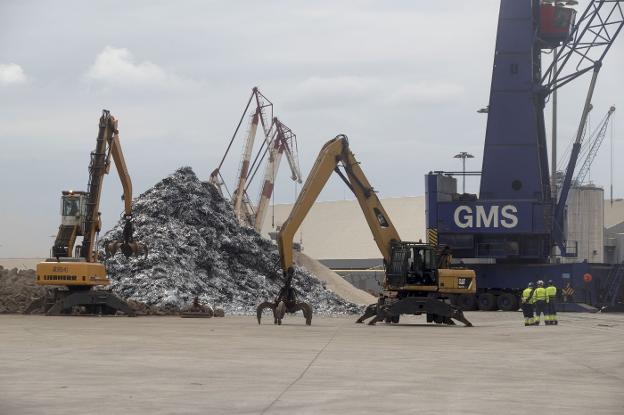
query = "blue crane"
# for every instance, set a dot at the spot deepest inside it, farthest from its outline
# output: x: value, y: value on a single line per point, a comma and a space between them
x: 509, y: 231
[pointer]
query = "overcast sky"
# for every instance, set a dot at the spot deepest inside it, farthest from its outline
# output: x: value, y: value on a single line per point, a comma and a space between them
x: 402, y: 79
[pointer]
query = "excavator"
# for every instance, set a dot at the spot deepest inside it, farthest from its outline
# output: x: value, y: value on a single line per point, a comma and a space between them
x: 74, y: 272
x: 418, y: 278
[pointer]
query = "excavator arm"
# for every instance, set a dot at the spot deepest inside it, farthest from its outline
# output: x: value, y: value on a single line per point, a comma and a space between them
x: 108, y: 148
x: 335, y: 154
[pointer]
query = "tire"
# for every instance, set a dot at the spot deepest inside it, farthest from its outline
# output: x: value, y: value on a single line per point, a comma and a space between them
x: 507, y: 302
x: 487, y: 302
x: 466, y: 302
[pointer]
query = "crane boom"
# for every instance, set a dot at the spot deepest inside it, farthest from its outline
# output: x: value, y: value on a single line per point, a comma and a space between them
x: 595, y: 141
x: 336, y: 152
x: 590, y: 41
x: 107, y: 147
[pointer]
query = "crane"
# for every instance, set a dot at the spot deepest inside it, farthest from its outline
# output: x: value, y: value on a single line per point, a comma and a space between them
x: 284, y: 141
x: 590, y: 150
x: 278, y: 139
x: 416, y: 281
x: 74, y: 272
x: 508, y: 232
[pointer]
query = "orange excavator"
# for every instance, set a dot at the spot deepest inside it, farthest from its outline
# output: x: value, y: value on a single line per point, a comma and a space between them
x: 74, y: 273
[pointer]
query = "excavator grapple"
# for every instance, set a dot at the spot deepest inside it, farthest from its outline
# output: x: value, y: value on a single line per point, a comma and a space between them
x: 285, y: 302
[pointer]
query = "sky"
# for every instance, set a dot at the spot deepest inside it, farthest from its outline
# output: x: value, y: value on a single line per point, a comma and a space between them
x: 403, y: 80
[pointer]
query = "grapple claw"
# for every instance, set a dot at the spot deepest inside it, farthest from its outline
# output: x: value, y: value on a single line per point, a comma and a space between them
x: 286, y: 302
x: 307, y: 312
x: 127, y: 248
x: 261, y: 307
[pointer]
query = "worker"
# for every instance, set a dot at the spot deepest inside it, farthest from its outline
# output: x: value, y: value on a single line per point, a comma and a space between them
x: 551, y: 292
x: 527, y: 305
x: 540, y: 302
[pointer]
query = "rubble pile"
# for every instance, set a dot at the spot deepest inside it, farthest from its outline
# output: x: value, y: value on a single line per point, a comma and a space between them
x: 17, y: 289
x: 198, y: 248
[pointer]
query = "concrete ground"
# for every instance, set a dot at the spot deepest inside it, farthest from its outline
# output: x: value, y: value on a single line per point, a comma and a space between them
x: 169, y: 365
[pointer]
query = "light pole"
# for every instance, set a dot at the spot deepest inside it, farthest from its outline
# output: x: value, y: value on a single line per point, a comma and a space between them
x: 463, y: 155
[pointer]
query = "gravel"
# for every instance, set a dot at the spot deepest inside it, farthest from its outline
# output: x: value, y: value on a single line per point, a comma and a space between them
x: 17, y: 289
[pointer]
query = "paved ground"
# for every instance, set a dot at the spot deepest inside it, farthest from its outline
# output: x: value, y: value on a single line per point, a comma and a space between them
x: 168, y: 365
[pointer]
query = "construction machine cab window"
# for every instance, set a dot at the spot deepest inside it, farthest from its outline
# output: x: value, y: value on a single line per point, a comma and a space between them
x: 412, y: 264
x: 421, y: 266
x: 71, y: 206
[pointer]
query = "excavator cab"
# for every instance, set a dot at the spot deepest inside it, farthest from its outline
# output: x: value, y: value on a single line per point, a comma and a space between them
x: 412, y: 263
x: 73, y: 208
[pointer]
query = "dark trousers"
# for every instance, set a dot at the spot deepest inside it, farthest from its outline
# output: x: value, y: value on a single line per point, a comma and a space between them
x: 552, y: 309
x: 527, y: 311
x: 540, y: 308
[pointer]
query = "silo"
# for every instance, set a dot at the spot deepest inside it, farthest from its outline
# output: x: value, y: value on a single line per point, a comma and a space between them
x: 619, y: 247
x: 585, y: 223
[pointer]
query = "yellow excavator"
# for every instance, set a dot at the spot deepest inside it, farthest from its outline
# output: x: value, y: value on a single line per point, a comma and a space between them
x: 74, y: 272
x: 418, y: 278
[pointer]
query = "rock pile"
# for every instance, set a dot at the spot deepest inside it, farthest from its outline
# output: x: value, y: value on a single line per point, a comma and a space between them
x: 198, y: 248
x: 17, y: 289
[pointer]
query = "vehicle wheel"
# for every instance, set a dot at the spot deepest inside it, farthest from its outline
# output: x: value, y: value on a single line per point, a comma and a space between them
x: 507, y: 302
x: 395, y: 319
x: 466, y: 302
x: 487, y: 302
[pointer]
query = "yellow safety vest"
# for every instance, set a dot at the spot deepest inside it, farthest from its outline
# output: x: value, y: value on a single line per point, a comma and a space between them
x: 526, y: 294
x: 540, y: 294
x: 551, y: 291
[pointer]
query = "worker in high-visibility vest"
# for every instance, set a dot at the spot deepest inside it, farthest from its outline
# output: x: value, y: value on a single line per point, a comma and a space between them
x: 527, y: 305
x: 551, y: 292
x: 540, y: 302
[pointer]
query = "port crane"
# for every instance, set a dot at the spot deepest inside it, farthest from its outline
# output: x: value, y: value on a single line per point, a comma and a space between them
x: 509, y: 231
x: 278, y: 140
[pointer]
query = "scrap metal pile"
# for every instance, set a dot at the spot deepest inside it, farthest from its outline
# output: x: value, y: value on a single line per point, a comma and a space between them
x: 198, y: 248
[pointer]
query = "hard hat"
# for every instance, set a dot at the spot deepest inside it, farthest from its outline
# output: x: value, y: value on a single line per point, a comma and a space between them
x: 550, y: 282
x: 530, y: 284
x: 540, y: 282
